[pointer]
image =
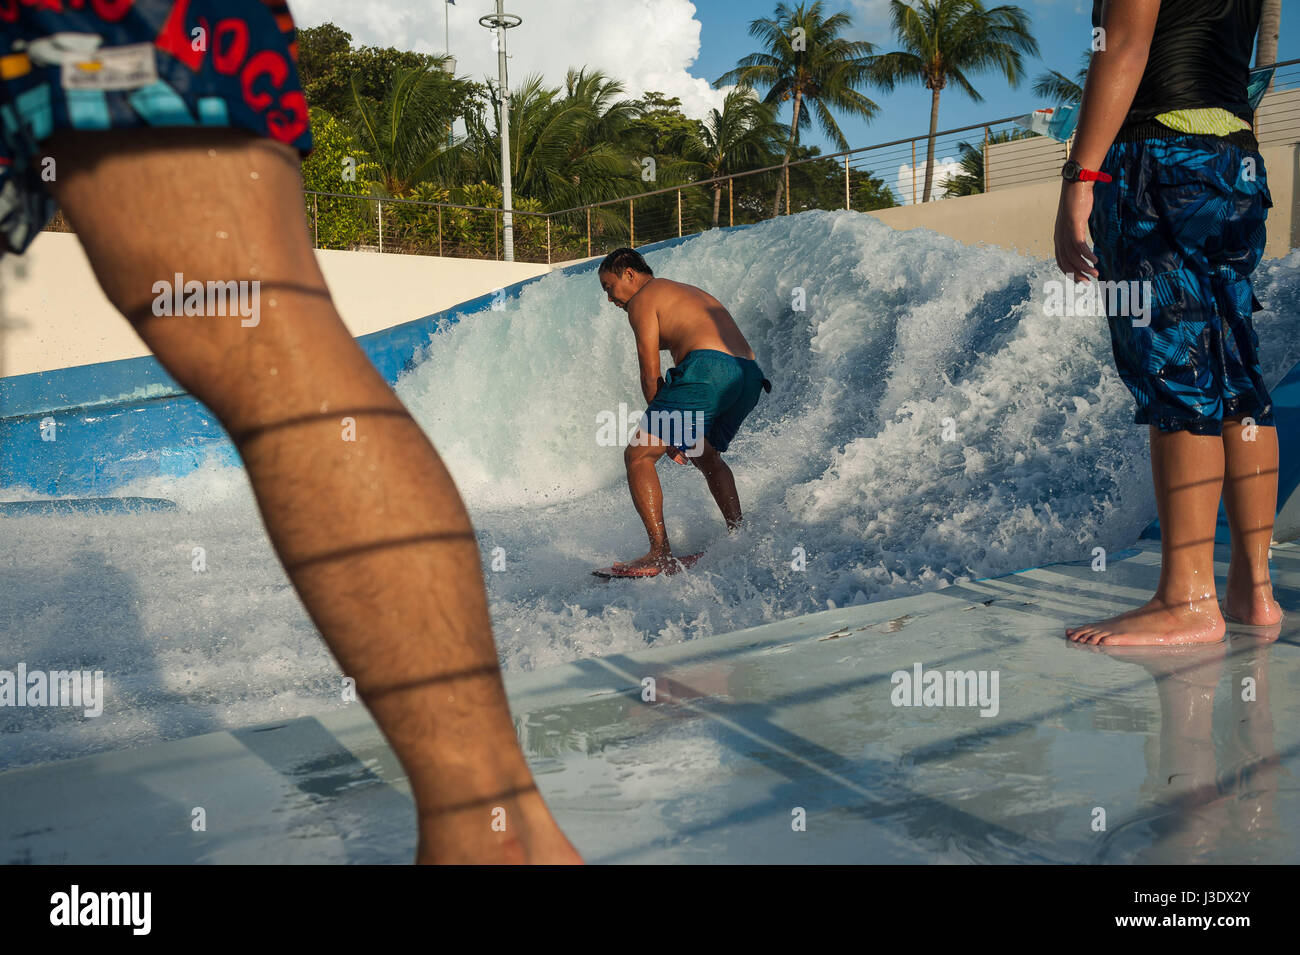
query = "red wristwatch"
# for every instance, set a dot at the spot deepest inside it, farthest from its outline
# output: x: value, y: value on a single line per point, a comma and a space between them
x: 1073, y: 172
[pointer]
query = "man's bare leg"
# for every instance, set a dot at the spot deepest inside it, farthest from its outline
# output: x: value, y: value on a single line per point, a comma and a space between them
x: 1250, y: 498
x: 1188, y: 473
x: 640, y: 457
x: 722, y: 484
x: 372, y: 532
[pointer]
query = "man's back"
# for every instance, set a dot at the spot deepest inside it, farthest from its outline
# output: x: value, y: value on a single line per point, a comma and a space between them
x: 691, y: 319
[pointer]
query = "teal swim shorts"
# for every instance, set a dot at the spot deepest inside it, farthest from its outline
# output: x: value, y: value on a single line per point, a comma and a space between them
x: 708, y: 395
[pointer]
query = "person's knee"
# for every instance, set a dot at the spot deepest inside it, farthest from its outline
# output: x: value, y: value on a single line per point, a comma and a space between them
x: 708, y: 460
x: 633, y: 454
x: 643, y: 448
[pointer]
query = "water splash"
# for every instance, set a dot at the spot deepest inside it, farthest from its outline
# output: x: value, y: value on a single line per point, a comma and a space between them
x: 904, y: 334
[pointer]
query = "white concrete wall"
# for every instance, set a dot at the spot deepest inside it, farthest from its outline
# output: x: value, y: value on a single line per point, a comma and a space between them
x: 53, y: 314
x: 1024, y: 217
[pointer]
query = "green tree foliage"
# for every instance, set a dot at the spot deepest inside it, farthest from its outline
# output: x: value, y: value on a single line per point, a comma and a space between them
x: 819, y: 184
x: 330, y: 67
x: 942, y: 41
x: 324, y: 55
x: 806, y: 60
x: 383, y: 118
x: 405, y: 132
x: 566, y: 144
x: 659, y: 122
x: 338, y: 164
x: 1059, y: 88
x: 744, y: 134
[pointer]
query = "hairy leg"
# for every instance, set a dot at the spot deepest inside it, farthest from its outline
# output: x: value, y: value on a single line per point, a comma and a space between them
x: 1188, y: 473
x: 640, y: 457
x: 372, y: 532
x: 1250, y: 498
x: 722, y: 484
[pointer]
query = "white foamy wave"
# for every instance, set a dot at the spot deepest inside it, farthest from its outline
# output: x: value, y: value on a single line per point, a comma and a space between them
x: 904, y: 335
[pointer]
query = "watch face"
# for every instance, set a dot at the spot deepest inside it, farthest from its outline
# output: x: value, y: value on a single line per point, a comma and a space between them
x: 1070, y: 171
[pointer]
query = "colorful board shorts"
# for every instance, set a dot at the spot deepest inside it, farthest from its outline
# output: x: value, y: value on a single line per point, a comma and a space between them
x: 130, y: 64
x: 1184, y: 219
x: 707, y: 396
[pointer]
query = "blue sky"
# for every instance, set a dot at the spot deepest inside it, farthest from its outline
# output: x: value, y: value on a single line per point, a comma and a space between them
x: 1061, y: 28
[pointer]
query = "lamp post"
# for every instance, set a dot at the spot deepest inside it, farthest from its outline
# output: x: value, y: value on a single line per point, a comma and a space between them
x: 448, y: 64
x: 500, y: 22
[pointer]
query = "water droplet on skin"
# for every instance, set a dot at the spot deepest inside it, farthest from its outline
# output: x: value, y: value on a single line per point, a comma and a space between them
x: 223, y: 235
x: 275, y: 371
x: 272, y: 303
x: 256, y: 175
x: 212, y: 153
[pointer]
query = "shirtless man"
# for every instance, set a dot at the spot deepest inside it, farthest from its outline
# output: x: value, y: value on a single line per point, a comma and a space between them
x: 695, y: 413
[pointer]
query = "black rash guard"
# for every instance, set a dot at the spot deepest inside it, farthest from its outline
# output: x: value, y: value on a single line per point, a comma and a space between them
x: 1200, y: 57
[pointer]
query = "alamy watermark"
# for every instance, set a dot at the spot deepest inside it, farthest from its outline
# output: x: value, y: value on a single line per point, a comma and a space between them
x: 681, y: 429
x: 38, y: 688
x: 1066, y: 298
x: 129, y: 909
x: 180, y: 297
x: 921, y: 687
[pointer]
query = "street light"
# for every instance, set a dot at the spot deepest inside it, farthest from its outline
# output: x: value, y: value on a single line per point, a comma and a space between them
x: 500, y: 22
x: 448, y: 64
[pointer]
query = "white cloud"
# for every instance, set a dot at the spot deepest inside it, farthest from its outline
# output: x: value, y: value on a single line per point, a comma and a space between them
x: 649, y: 45
x: 943, y: 168
x: 871, y: 18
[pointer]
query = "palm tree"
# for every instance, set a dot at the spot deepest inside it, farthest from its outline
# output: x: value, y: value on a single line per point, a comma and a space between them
x: 970, y: 181
x: 405, y: 133
x: 942, y: 41
x: 564, y: 143
x: 1270, y: 19
x: 808, y: 61
x: 1059, y: 88
x: 743, y: 135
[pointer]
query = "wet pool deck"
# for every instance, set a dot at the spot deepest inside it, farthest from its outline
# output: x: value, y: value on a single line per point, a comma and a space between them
x: 780, y: 744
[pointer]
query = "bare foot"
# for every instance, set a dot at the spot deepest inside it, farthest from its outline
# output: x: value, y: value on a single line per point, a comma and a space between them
x: 1250, y: 603
x: 518, y: 830
x: 1156, y: 624
x: 659, y: 559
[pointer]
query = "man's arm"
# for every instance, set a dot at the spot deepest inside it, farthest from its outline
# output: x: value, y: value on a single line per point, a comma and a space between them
x: 645, y: 325
x: 1113, y: 79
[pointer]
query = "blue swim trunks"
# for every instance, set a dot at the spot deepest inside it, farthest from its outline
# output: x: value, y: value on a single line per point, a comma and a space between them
x: 708, y: 395
x: 130, y: 64
x: 1184, y: 217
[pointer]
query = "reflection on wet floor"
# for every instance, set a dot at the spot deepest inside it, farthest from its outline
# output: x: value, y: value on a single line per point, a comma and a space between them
x: 1115, y: 755
x: 810, y: 740
x: 1213, y: 770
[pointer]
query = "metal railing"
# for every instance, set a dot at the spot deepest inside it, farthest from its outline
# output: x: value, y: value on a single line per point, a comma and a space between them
x: 416, y: 227
x: 997, y: 155
x: 869, y: 177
